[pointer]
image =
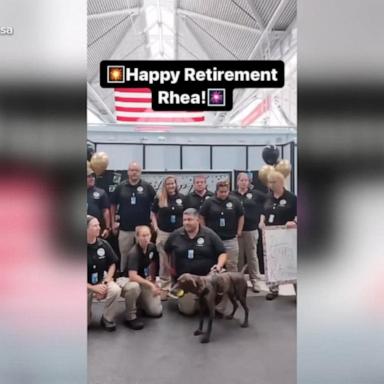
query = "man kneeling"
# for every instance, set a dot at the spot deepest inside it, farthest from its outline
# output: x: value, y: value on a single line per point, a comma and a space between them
x: 140, y: 289
x: 194, y: 249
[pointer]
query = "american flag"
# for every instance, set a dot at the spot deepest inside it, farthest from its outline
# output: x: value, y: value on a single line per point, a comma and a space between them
x: 134, y: 105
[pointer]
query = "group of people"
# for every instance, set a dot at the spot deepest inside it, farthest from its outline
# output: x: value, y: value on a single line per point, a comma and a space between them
x: 198, y: 233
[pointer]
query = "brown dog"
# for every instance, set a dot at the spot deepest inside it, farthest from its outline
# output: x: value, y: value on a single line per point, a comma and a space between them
x: 210, y: 290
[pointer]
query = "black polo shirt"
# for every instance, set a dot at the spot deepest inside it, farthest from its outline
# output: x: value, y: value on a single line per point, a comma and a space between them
x: 100, y: 257
x: 194, y: 200
x: 97, y: 201
x: 140, y: 261
x: 171, y: 217
x: 253, y: 204
x: 197, y: 255
x: 134, y: 202
x: 222, y: 216
x: 280, y: 211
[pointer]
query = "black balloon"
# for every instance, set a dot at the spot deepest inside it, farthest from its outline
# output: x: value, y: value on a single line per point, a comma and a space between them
x: 271, y: 154
x: 90, y: 151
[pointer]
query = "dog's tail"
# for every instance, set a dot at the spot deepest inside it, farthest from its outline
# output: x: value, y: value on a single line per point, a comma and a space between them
x: 244, y: 268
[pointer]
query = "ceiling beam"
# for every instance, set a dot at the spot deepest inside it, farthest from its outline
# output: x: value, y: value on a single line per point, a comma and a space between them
x: 196, y: 39
x: 121, y: 12
x: 256, y: 14
x: 218, y: 21
x: 265, y: 35
x: 97, y: 98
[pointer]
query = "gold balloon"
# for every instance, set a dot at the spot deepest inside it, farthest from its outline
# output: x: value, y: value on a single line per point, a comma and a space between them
x: 284, y: 167
x: 99, y: 162
x: 89, y: 169
x: 264, y: 171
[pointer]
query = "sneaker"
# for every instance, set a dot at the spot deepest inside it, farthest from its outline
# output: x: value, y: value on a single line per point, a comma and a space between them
x: 261, y: 277
x: 255, y: 289
x: 109, y: 326
x: 271, y: 296
x: 135, y: 324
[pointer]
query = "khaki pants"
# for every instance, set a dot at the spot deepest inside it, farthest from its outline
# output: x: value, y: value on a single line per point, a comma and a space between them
x: 110, y: 305
x: 232, y: 250
x: 248, y: 253
x: 164, y: 274
x: 188, y: 304
x: 136, y: 295
x: 126, y: 242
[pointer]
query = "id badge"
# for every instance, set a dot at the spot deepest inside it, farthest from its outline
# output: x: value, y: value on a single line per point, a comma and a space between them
x: 94, y: 278
x: 173, y: 219
x: 190, y: 254
x: 271, y: 218
x: 222, y: 222
x: 133, y: 200
x: 146, y: 272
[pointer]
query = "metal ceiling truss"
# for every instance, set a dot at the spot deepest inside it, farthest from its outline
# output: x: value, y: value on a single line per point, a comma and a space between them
x: 102, y: 15
x: 211, y: 19
x: 256, y: 14
x: 92, y: 92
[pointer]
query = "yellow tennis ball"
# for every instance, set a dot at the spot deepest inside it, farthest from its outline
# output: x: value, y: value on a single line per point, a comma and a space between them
x: 180, y: 293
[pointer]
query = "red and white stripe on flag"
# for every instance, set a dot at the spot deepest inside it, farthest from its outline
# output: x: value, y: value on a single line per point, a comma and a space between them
x: 134, y: 105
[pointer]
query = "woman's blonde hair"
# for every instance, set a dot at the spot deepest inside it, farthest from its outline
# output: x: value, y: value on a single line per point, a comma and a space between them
x: 276, y: 175
x: 162, y: 193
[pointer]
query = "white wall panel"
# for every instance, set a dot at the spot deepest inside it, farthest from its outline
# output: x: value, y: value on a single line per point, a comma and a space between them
x: 255, y: 159
x: 229, y: 158
x: 160, y: 158
x: 120, y: 155
x: 196, y: 158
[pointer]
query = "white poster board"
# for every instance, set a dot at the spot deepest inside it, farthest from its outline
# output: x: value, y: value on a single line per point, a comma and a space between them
x: 280, y: 254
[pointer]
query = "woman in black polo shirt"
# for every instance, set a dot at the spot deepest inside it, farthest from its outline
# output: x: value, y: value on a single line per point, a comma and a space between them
x: 101, y: 268
x: 252, y: 202
x: 167, y: 215
x: 280, y: 208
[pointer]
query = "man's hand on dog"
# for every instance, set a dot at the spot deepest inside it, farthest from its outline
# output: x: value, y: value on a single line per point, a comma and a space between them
x: 217, y: 269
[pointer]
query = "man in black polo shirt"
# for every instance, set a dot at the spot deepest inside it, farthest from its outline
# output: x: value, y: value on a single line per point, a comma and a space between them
x: 134, y: 198
x: 225, y: 216
x: 200, y: 193
x: 139, y: 281
x: 98, y: 204
x: 194, y: 249
x: 280, y: 208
